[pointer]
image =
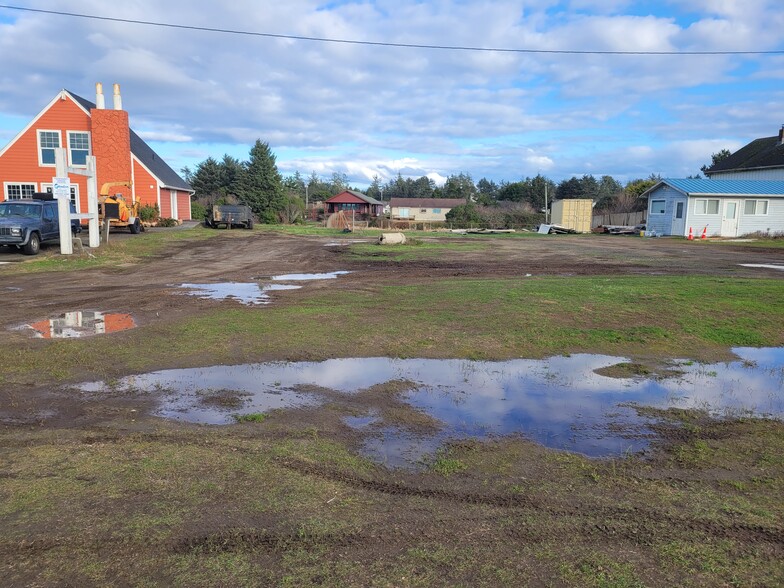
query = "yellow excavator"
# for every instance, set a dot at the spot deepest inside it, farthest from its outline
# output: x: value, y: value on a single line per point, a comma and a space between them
x: 120, y: 212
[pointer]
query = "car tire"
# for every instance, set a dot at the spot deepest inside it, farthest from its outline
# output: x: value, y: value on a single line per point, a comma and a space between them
x: 250, y: 224
x: 33, y: 246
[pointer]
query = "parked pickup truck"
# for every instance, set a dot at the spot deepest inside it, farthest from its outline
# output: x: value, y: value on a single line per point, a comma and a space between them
x: 229, y: 215
x: 26, y: 223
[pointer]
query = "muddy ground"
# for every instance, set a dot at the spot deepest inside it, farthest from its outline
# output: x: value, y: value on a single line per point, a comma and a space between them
x: 149, y: 290
x: 518, y: 515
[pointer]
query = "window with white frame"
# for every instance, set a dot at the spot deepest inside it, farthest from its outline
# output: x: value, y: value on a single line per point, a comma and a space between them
x: 48, y: 141
x: 755, y: 207
x: 78, y: 147
x: 74, y: 193
x: 706, y: 207
x: 658, y: 206
x: 19, y: 191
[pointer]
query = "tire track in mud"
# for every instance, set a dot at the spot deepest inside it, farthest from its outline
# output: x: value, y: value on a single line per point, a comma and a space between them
x: 617, y: 521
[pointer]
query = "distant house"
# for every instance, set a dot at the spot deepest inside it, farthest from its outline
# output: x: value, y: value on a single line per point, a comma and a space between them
x: 726, y: 208
x: 423, y: 209
x: 82, y: 128
x: 762, y: 159
x: 357, y: 202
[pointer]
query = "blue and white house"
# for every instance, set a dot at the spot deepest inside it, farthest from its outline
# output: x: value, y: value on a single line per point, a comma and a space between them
x: 727, y: 208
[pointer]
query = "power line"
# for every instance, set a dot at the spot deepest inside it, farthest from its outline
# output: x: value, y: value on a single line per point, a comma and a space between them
x: 380, y: 43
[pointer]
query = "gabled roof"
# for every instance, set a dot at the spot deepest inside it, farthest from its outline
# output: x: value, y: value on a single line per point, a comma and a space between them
x: 760, y: 153
x: 360, y: 195
x: 693, y: 187
x: 426, y: 202
x: 145, y: 154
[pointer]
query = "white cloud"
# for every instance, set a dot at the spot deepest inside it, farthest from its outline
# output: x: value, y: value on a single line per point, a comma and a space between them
x: 363, y: 110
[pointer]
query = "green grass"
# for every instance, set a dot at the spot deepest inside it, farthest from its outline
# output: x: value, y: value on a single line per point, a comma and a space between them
x: 253, y: 417
x: 413, y: 249
x: 664, y: 317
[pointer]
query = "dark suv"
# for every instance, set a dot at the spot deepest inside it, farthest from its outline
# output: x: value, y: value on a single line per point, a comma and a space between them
x: 25, y: 224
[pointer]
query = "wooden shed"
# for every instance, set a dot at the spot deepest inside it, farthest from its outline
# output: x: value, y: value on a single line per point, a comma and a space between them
x: 573, y: 213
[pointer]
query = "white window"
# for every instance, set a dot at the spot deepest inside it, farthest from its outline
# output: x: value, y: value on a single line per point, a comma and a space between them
x: 78, y: 147
x: 658, y: 206
x: 48, y: 141
x: 18, y: 191
x: 756, y: 207
x: 74, y: 193
x: 706, y: 207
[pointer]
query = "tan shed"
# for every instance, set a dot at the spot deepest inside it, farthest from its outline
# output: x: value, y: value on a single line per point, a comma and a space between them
x: 573, y: 213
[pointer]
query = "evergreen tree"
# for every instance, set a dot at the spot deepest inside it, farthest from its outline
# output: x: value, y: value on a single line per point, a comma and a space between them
x: 261, y: 186
x: 206, y: 179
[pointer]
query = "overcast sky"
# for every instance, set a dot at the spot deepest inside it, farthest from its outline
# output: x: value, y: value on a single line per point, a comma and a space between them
x: 364, y: 110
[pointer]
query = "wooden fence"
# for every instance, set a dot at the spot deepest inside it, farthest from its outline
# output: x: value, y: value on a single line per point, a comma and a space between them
x: 628, y: 219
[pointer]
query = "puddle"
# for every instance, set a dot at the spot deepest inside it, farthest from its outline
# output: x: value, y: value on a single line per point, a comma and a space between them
x: 305, y: 277
x: 764, y: 265
x: 559, y: 402
x: 345, y: 242
x: 250, y: 293
x: 87, y: 323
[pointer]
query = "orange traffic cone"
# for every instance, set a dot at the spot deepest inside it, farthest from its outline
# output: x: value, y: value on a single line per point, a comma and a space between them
x: 691, y: 235
x: 704, y: 233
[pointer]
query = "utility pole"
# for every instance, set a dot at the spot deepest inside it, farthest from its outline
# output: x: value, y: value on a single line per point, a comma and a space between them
x: 545, y: 203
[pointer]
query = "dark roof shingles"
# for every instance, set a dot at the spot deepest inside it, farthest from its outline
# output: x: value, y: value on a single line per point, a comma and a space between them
x: 764, y: 152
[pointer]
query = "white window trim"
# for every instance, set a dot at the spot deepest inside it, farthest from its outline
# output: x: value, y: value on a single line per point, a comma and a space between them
x: 74, y: 187
x: 38, y: 141
x: 663, y: 200
x: 706, y: 200
x: 7, y: 184
x: 756, y: 206
x: 89, y: 146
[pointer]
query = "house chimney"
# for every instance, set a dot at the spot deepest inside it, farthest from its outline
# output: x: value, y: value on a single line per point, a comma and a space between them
x: 117, y: 97
x: 100, y: 104
x: 781, y: 135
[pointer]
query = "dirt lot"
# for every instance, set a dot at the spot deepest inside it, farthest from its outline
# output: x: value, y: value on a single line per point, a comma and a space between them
x: 144, y: 289
x: 95, y: 491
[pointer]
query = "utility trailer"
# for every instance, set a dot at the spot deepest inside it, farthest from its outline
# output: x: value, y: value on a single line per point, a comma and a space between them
x: 230, y: 216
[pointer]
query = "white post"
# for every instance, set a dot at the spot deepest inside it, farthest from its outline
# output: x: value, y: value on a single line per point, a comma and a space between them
x: 63, y: 204
x: 92, y: 203
x: 545, y: 203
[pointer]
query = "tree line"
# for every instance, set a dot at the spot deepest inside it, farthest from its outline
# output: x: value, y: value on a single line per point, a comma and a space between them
x: 274, y: 198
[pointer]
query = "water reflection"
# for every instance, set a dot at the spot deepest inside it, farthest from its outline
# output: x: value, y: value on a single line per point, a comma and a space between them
x: 250, y: 293
x: 81, y: 323
x: 306, y: 277
x: 559, y: 402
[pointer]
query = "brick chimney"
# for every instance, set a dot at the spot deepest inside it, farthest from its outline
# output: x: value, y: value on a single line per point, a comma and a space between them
x: 111, y: 142
x: 781, y: 135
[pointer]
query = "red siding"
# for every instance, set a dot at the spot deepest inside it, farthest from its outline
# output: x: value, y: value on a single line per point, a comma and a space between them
x: 184, y: 205
x: 145, y: 186
x: 20, y: 163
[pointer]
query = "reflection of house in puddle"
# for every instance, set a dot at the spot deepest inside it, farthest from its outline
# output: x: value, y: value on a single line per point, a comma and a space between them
x: 82, y: 324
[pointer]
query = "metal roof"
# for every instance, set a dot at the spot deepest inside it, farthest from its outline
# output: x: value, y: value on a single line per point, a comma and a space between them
x: 149, y: 158
x: 701, y: 187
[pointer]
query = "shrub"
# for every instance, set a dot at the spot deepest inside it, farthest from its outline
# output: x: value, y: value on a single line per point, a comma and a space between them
x: 149, y: 213
x: 167, y: 222
x: 198, y: 210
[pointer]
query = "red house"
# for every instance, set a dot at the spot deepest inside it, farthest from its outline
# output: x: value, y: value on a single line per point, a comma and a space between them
x: 356, y: 201
x: 70, y: 121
